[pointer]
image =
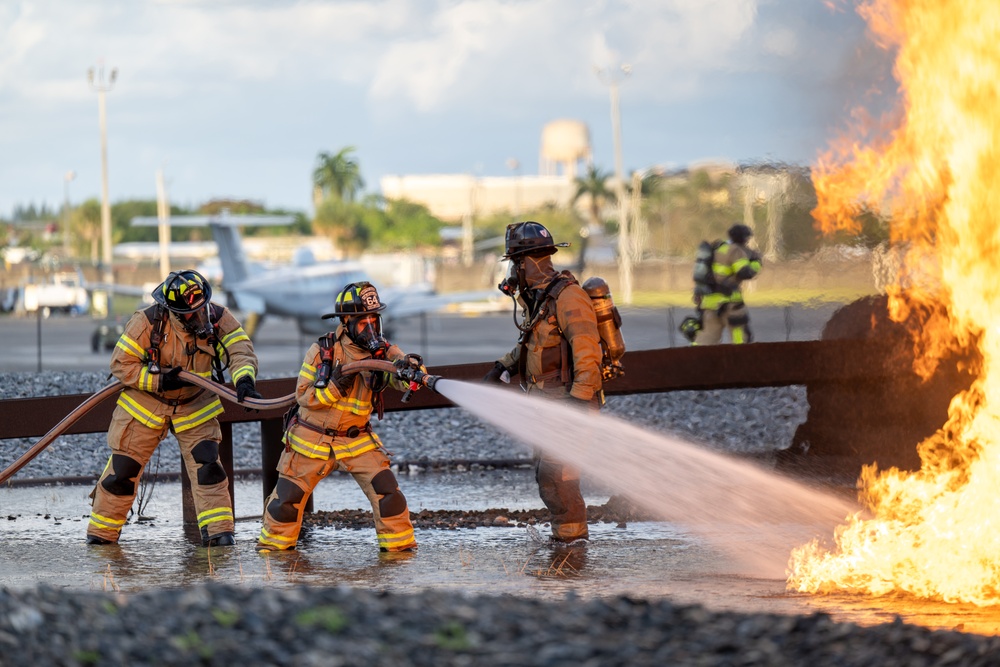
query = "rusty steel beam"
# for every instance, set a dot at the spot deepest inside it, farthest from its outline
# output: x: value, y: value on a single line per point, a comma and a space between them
x: 646, y: 371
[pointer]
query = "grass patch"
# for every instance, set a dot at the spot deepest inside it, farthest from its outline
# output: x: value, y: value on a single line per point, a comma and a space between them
x: 769, y: 297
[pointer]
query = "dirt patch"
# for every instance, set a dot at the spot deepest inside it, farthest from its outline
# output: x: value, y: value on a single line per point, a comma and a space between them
x: 617, y: 510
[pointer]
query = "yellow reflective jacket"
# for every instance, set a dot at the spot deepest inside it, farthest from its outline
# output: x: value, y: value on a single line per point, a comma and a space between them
x: 572, y: 319
x: 329, y: 410
x: 732, y: 265
x: 186, y: 407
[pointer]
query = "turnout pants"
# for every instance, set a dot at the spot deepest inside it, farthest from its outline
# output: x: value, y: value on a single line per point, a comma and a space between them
x: 735, y: 317
x: 298, y: 476
x: 559, y: 488
x: 132, y: 445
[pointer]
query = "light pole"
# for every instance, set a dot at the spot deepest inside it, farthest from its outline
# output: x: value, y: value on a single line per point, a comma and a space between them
x: 612, y: 77
x: 69, y: 176
x: 101, y: 87
x: 163, y: 214
x: 515, y: 166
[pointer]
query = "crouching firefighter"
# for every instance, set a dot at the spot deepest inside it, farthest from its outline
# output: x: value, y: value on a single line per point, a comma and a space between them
x: 329, y: 428
x: 183, y: 330
x: 558, y: 354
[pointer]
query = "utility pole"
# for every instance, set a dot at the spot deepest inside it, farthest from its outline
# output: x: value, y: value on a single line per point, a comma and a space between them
x: 612, y: 78
x: 163, y: 215
x: 67, y: 246
x: 102, y: 87
x: 515, y: 165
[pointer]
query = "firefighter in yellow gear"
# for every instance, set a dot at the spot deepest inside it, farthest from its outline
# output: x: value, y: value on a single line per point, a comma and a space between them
x: 558, y: 355
x: 723, y: 306
x: 330, y: 426
x: 183, y: 330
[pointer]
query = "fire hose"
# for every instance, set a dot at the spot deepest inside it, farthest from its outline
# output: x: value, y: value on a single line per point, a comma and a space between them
x: 414, y: 376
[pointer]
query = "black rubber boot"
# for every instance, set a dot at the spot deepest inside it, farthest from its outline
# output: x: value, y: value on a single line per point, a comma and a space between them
x: 220, y: 540
x: 94, y: 539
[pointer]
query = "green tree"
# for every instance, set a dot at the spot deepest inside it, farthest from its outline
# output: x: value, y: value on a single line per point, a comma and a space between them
x: 595, y: 186
x: 337, y: 176
x: 86, y: 224
x: 344, y: 223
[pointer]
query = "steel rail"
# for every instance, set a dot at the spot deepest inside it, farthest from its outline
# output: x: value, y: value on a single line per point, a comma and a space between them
x: 221, y: 390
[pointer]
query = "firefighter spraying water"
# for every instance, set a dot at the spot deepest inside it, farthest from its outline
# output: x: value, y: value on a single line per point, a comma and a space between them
x: 569, y: 344
x: 339, y: 386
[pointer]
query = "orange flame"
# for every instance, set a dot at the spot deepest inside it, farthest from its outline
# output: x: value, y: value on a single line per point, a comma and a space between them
x: 935, y: 172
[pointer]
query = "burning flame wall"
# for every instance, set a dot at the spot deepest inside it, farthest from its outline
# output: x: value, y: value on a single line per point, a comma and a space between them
x: 934, y: 170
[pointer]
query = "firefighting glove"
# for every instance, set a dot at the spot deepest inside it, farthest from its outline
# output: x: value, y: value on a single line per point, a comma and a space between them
x: 169, y: 380
x: 343, y: 381
x: 246, y: 388
x: 497, y: 374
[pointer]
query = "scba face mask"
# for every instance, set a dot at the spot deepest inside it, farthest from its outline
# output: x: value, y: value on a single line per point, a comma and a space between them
x: 198, y: 323
x: 510, y: 284
x: 366, y: 332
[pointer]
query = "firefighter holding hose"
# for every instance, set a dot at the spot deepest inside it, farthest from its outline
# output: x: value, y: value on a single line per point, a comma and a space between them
x: 558, y: 354
x: 330, y: 429
x: 183, y: 330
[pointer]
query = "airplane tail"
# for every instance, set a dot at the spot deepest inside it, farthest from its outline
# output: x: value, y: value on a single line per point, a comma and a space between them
x: 235, y: 267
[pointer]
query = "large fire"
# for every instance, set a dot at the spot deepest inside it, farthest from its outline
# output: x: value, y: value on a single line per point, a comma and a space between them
x: 934, y: 533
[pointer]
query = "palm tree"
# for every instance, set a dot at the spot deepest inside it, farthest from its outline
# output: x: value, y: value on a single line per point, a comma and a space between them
x: 595, y: 186
x: 337, y: 176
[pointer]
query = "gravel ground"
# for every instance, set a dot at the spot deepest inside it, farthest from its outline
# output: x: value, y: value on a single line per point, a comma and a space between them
x: 745, y: 421
x: 219, y: 625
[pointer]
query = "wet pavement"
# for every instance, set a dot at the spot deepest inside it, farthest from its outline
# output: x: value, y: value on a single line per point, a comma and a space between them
x: 43, y: 527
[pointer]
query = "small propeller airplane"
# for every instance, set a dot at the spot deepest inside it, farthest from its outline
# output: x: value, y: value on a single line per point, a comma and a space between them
x: 304, y: 290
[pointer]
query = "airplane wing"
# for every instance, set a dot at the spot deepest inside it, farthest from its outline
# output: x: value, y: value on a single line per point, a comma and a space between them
x: 401, y: 304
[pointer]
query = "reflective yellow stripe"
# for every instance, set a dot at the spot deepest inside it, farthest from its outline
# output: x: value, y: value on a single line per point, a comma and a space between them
x: 142, y: 414
x: 308, y: 371
x: 355, y: 447
x: 739, y: 264
x: 722, y: 270
x: 235, y: 336
x: 352, y: 405
x: 213, y: 515
x: 280, y: 541
x: 106, y: 522
x: 306, y: 448
x: 242, y: 371
x: 389, y: 540
x: 211, y: 410
x: 130, y: 346
x: 145, y: 379
x: 325, y: 396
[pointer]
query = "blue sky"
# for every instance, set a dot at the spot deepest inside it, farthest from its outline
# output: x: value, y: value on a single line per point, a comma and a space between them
x: 236, y: 98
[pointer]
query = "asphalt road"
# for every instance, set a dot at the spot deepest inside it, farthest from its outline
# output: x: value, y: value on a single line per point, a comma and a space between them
x: 64, y: 343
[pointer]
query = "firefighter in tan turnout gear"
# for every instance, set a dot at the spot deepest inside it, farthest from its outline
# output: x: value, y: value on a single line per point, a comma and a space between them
x: 330, y: 429
x: 183, y: 330
x: 558, y: 354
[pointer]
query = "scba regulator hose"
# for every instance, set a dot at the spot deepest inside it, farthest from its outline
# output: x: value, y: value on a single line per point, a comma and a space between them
x: 223, y: 391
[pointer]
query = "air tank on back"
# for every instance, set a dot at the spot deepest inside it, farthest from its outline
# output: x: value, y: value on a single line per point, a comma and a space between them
x: 609, y: 326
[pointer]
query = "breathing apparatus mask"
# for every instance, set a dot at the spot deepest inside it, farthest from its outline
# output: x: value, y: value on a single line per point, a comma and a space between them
x: 365, y: 331
x: 188, y: 296
x: 510, y: 285
x: 198, y: 323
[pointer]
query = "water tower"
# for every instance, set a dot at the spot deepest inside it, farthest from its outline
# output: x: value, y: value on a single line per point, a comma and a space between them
x: 565, y: 142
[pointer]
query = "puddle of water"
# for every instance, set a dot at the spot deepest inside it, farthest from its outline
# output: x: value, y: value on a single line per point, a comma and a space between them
x: 645, y: 559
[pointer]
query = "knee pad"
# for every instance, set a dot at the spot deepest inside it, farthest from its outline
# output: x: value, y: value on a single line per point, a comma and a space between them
x: 287, y: 494
x: 392, y: 502
x: 210, y: 470
x: 123, y: 469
